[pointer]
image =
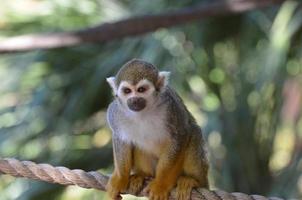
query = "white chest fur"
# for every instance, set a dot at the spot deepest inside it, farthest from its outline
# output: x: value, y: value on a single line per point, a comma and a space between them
x: 147, y: 130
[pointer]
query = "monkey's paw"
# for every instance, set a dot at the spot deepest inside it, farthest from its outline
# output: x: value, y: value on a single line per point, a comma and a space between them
x: 184, y: 187
x: 136, y: 183
x: 156, y: 191
x: 115, y: 186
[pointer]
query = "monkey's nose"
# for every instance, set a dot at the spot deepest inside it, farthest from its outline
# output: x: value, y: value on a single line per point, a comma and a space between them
x: 136, y: 103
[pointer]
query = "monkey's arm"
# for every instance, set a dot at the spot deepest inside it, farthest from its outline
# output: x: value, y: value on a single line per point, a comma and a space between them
x: 122, y: 154
x: 122, y: 166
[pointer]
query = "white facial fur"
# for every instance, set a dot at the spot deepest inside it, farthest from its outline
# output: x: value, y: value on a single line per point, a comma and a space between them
x: 162, y: 76
x: 147, y: 94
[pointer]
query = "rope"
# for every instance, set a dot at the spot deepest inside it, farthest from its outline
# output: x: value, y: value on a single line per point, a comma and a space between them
x: 65, y: 176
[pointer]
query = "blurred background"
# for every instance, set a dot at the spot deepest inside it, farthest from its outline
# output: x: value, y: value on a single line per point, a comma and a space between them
x: 240, y: 76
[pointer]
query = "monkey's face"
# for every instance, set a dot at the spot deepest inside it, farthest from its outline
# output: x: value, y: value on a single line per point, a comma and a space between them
x: 138, y: 84
x: 136, y: 97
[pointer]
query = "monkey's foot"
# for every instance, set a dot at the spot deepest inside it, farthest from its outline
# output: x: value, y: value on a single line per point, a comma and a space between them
x: 156, y: 191
x: 184, y: 187
x: 136, y: 183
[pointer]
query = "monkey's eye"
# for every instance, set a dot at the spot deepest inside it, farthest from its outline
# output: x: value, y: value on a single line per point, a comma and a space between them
x: 126, y: 90
x: 141, y: 89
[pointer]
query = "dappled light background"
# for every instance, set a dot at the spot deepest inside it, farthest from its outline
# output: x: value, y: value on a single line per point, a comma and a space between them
x: 240, y: 76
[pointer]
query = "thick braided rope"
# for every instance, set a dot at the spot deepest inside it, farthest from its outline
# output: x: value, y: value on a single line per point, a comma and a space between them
x: 65, y: 176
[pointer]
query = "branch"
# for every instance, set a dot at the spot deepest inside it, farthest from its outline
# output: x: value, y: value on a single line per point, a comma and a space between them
x: 130, y: 27
x: 65, y: 176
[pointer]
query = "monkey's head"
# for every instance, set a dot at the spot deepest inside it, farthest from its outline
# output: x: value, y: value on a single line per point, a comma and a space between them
x: 138, y: 84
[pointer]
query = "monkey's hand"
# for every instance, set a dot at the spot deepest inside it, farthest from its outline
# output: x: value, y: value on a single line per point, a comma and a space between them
x: 116, y: 185
x: 157, y: 191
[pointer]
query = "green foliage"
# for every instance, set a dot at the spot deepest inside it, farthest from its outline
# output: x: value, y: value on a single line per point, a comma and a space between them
x: 239, y: 75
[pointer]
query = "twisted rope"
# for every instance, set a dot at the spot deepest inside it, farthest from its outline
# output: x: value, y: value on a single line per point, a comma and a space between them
x: 65, y: 176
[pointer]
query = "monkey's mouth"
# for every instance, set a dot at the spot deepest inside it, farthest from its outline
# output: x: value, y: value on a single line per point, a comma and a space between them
x: 136, y: 103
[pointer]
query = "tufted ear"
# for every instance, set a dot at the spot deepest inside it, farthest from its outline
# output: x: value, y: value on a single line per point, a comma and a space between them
x: 111, y: 81
x: 163, y: 80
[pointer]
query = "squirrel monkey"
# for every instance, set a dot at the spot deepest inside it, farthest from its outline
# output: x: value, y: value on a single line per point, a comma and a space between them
x: 154, y: 135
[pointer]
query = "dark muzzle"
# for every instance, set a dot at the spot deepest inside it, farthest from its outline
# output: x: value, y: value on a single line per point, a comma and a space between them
x: 136, y: 103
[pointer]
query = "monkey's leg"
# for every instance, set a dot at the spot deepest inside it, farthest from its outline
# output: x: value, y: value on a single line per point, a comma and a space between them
x: 185, y: 184
x: 122, y: 166
x: 168, y: 169
x: 195, y: 169
x: 143, y: 164
x: 196, y: 163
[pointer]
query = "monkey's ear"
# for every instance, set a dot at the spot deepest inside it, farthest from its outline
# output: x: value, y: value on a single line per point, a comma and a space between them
x: 111, y: 81
x: 163, y: 79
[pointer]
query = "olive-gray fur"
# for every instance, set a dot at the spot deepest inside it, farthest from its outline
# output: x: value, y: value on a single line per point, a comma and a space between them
x: 136, y: 70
